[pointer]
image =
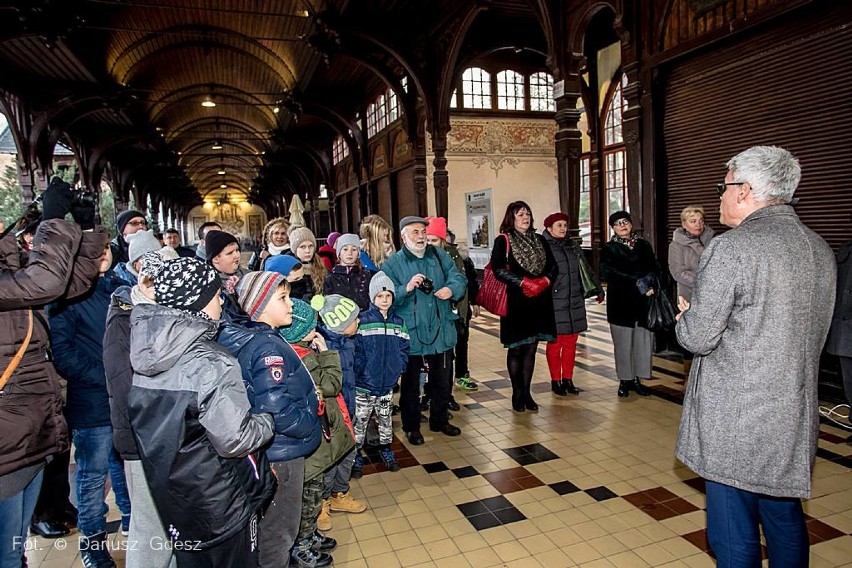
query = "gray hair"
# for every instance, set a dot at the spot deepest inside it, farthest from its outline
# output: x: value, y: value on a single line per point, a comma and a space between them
x: 772, y: 172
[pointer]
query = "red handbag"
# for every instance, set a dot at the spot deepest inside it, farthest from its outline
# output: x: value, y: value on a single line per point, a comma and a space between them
x: 492, y: 293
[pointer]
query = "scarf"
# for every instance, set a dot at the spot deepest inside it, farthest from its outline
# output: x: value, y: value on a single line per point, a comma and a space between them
x: 630, y: 241
x: 273, y: 250
x: 528, y: 250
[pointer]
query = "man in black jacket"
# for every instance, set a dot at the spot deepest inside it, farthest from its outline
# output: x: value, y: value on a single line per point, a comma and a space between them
x: 127, y: 223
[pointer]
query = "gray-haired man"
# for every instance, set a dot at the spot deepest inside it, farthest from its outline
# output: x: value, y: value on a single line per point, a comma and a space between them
x: 757, y: 323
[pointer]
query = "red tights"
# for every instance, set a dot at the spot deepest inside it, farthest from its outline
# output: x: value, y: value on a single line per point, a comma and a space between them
x: 560, y: 356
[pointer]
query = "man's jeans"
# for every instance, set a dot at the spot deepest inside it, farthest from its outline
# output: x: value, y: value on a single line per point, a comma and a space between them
x: 15, y: 515
x: 733, y: 520
x: 95, y: 459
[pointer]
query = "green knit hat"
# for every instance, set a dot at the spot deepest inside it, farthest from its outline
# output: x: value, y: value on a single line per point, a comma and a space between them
x: 304, y: 322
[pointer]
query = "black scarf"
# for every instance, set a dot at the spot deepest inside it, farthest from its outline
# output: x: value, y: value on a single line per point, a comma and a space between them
x: 528, y: 250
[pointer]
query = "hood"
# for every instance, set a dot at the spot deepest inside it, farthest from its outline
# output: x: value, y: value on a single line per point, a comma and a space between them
x: 160, y: 335
x: 122, y: 294
x: 681, y: 237
x: 236, y: 334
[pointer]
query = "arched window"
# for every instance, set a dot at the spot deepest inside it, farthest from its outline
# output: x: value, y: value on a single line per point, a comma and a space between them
x: 615, y: 163
x: 393, y: 106
x: 510, y: 91
x: 381, y: 113
x: 541, y: 92
x: 454, y: 101
x: 338, y: 150
x: 476, y: 88
x: 372, y: 119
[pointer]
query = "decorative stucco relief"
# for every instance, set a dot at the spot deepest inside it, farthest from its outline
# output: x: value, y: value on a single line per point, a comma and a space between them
x: 502, y: 136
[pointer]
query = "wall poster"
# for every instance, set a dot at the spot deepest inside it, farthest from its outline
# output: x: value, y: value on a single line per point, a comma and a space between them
x: 480, y: 226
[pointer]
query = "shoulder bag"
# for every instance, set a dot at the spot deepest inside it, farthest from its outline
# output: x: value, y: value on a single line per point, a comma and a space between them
x: 492, y: 293
x: 16, y: 360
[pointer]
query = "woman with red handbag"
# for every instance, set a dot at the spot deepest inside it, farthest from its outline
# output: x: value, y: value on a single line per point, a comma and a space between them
x: 522, y: 260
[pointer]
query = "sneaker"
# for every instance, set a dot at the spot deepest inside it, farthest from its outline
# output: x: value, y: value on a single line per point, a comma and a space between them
x: 324, y: 519
x: 304, y: 556
x: 94, y: 553
x: 389, y: 459
x: 357, y: 467
x: 345, y: 503
x: 125, y: 525
x: 322, y: 543
x: 466, y: 383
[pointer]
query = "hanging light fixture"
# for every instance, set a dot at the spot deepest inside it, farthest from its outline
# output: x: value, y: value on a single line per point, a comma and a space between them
x: 217, y: 145
x: 208, y: 102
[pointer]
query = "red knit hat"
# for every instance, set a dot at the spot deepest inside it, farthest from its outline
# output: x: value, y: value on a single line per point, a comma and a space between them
x: 554, y: 217
x: 437, y: 227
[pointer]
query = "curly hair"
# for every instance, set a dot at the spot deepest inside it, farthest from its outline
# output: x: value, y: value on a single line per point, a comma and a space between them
x: 267, y: 229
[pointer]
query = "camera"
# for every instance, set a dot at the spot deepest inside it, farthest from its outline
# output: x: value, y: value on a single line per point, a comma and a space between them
x: 427, y: 286
x: 80, y: 198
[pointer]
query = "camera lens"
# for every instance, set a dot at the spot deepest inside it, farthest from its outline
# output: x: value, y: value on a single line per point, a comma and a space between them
x: 427, y: 286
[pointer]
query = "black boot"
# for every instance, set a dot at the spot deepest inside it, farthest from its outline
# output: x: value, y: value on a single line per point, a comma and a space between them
x: 558, y: 388
x: 640, y: 390
x: 624, y: 388
x: 529, y: 403
x: 568, y: 386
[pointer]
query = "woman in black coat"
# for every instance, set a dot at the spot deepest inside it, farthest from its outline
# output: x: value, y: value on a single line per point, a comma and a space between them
x: 522, y: 260
x: 569, y: 305
x: 631, y: 271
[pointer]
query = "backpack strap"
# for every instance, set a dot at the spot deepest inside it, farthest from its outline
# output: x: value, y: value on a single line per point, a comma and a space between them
x: 16, y: 360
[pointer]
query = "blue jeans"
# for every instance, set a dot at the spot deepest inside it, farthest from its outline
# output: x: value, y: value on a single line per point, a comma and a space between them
x: 734, y: 517
x: 15, y: 515
x: 95, y: 459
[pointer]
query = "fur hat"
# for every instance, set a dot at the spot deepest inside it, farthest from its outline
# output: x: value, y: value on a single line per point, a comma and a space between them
x: 124, y: 218
x: 186, y: 284
x: 554, y: 217
x: 300, y: 235
x: 254, y: 291
x: 380, y: 283
x: 304, y: 322
x: 619, y: 215
x: 282, y: 263
x: 337, y: 312
x: 437, y: 227
x: 216, y: 241
x: 347, y: 239
x: 139, y: 243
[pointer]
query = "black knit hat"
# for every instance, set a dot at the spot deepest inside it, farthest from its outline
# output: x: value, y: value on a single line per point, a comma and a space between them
x: 186, y: 284
x: 124, y: 218
x: 619, y: 215
x: 216, y: 241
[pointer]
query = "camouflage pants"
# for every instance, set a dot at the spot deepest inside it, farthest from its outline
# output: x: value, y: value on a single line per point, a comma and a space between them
x: 365, y: 403
x: 311, y: 505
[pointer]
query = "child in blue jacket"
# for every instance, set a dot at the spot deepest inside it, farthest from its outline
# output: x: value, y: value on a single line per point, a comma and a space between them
x: 384, y: 342
x: 279, y: 384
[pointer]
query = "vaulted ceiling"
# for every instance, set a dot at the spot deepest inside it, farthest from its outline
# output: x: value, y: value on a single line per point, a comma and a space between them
x: 127, y: 78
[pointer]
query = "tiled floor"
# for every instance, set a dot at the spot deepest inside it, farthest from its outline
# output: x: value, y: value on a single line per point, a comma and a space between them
x: 589, y: 480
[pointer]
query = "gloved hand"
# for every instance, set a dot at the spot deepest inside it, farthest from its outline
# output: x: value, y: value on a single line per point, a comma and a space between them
x: 84, y: 214
x: 56, y: 200
x: 532, y: 287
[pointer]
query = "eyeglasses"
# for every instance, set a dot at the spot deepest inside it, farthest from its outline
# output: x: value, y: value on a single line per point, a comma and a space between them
x: 721, y: 188
x: 621, y: 223
x: 136, y: 223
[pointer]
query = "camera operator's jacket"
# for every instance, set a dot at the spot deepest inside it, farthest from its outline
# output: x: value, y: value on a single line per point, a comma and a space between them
x: 63, y: 264
x: 430, y: 321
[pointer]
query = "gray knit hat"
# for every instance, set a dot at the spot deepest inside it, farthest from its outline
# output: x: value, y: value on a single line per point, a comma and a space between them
x: 300, y: 235
x: 380, y: 283
x: 336, y: 312
x: 255, y: 289
x: 347, y: 239
x: 139, y: 243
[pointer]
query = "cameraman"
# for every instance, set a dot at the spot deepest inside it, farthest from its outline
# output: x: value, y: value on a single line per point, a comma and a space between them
x: 63, y: 263
x: 427, y: 283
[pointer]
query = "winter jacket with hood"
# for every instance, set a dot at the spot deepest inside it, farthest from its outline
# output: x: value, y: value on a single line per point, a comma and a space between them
x: 197, y: 437
x: 351, y: 361
x: 77, y: 338
x: 277, y: 383
x: 351, y: 282
x: 63, y: 263
x: 384, y: 343
x: 684, y: 253
x: 431, y: 322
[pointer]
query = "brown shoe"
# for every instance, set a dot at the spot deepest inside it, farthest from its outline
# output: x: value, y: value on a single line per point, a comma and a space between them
x: 324, y: 519
x: 345, y: 503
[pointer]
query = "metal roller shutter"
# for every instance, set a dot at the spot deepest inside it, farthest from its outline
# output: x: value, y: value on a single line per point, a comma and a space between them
x: 788, y: 86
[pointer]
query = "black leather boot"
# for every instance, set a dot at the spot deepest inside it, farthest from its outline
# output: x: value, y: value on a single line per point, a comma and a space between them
x: 558, y: 388
x: 640, y: 390
x: 624, y: 388
x: 568, y: 386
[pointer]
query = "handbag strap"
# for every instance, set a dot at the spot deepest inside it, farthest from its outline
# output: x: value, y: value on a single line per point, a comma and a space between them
x: 16, y: 360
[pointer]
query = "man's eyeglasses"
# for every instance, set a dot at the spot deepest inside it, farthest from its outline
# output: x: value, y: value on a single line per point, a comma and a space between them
x: 137, y: 223
x: 621, y: 223
x: 721, y: 188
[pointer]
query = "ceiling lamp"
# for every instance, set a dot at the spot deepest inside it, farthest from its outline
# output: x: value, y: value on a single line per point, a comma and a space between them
x: 221, y: 172
x: 208, y: 102
x: 276, y: 110
x: 223, y: 186
x: 217, y: 145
